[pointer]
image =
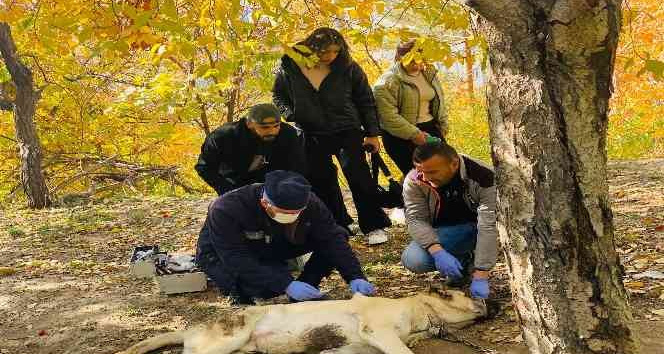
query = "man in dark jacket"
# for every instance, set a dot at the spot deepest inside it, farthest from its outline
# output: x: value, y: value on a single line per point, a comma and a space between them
x: 251, y: 232
x: 241, y: 152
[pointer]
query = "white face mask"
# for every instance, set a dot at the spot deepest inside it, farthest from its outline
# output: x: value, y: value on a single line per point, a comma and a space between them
x: 283, y: 218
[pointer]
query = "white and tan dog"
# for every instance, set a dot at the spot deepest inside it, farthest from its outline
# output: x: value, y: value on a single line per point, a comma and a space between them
x: 361, y: 325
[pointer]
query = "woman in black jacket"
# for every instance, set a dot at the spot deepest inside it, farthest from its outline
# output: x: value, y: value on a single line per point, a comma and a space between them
x: 332, y: 103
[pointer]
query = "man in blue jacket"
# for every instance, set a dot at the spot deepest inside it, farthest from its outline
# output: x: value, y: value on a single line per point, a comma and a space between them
x: 250, y: 232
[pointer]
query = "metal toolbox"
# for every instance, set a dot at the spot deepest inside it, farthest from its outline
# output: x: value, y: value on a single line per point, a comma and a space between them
x: 181, y: 282
x: 178, y: 273
x: 141, y: 266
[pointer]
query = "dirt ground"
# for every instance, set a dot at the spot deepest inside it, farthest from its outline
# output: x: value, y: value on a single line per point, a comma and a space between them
x: 65, y: 288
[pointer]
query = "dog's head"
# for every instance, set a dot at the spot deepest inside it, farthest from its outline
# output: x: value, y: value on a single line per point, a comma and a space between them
x: 453, y: 306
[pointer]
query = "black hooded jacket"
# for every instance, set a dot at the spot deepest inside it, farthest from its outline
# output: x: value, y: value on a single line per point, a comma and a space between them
x: 344, y: 100
x: 229, y: 150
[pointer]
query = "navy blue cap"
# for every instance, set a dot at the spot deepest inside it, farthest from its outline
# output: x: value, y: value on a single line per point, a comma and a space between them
x: 286, y: 189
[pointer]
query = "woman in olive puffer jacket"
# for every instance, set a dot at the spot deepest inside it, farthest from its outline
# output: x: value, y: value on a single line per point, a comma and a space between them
x: 411, y: 107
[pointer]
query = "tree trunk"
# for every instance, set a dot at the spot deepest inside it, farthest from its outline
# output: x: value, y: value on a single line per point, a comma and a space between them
x: 234, y: 95
x: 32, y: 177
x: 231, y: 103
x: 469, y: 69
x: 551, y: 64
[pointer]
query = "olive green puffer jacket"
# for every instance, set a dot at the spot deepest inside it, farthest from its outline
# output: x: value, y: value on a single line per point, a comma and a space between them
x: 398, y: 99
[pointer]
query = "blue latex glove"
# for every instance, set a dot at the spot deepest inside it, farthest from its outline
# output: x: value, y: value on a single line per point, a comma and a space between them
x: 302, y: 291
x: 447, y: 264
x: 479, y: 288
x: 362, y: 286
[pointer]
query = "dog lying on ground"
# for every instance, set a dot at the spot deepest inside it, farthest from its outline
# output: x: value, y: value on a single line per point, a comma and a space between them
x: 361, y: 325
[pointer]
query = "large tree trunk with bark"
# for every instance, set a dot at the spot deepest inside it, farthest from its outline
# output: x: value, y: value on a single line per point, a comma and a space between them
x: 551, y: 67
x: 32, y: 177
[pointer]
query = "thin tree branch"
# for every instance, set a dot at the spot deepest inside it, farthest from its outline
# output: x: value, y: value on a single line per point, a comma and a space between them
x: 442, y: 8
x: 174, y: 60
x: 39, y: 67
x: 81, y: 174
x: 375, y: 63
x: 105, y: 77
x: 8, y: 138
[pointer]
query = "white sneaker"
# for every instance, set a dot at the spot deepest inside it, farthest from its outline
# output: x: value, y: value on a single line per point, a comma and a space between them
x: 398, y: 216
x: 377, y: 237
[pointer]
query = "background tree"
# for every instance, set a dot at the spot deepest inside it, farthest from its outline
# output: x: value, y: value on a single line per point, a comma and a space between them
x: 548, y: 97
x: 23, y: 106
x: 133, y: 86
x: 637, y: 105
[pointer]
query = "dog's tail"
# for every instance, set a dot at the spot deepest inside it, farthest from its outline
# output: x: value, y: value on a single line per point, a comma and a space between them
x: 150, y: 344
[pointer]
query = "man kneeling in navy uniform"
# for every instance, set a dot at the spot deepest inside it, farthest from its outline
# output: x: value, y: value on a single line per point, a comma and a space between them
x: 250, y: 232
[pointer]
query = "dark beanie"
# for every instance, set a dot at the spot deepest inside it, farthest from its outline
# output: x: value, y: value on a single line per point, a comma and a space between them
x: 286, y: 189
x: 261, y: 111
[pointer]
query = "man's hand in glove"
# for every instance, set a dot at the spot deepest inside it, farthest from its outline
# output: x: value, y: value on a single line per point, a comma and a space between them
x: 362, y: 286
x: 301, y: 291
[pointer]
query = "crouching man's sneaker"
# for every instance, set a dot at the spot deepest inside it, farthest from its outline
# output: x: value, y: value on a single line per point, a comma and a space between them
x: 377, y: 237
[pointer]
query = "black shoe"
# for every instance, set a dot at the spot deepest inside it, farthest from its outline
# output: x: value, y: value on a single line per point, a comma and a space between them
x: 238, y: 301
x: 241, y: 300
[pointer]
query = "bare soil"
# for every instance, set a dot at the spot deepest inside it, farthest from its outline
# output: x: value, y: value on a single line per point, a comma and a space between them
x: 65, y: 288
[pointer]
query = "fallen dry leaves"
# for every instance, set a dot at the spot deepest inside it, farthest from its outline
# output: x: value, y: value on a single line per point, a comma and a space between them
x: 66, y: 288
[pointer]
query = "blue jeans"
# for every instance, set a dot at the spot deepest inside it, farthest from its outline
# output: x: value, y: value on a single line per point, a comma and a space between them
x: 459, y: 240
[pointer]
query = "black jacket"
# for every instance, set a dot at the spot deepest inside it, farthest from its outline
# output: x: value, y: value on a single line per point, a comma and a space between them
x: 243, y: 235
x: 229, y: 150
x: 344, y: 101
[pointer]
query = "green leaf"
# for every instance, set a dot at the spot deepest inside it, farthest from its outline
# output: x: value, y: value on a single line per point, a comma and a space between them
x: 169, y: 9
x: 308, y: 62
x: 187, y: 49
x: 168, y: 26
x: 210, y: 73
x: 25, y: 23
x: 656, y: 67
x: 303, y: 48
x: 63, y: 21
x: 142, y: 19
x: 628, y: 63
x: 4, y: 73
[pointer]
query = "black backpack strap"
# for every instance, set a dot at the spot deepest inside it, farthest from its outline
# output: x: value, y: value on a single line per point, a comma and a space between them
x: 374, y: 168
x: 377, y: 164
